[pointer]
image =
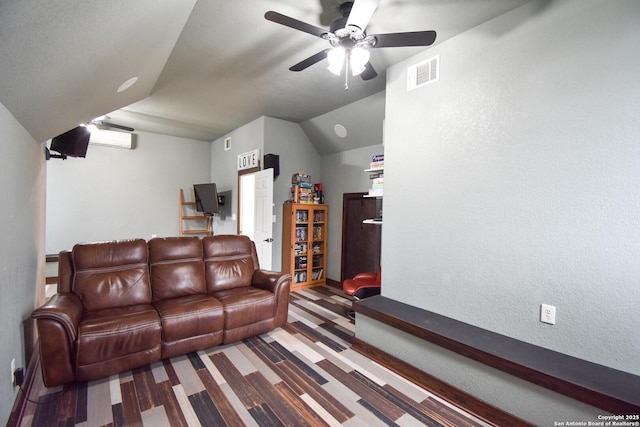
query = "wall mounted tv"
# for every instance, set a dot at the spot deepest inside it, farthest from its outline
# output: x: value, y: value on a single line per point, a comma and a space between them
x: 72, y: 143
x: 206, y: 198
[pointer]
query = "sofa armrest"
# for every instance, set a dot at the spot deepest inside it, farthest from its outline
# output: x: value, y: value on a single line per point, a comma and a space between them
x: 57, y: 324
x: 64, y: 308
x: 280, y: 285
x: 365, y: 276
x: 271, y: 280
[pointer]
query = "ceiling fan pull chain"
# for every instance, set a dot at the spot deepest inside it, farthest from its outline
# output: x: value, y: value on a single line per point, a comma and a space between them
x: 346, y: 72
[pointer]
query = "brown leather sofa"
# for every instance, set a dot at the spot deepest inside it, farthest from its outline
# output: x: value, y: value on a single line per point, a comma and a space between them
x: 126, y: 304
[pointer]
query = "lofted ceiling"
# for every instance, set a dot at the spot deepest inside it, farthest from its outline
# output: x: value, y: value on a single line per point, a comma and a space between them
x: 203, y: 67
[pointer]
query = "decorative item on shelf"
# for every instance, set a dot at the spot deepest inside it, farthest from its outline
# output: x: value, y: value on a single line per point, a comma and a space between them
x: 376, y: 175
x: 301, y: 188
x: 377, y: 162
x: 318, y: 195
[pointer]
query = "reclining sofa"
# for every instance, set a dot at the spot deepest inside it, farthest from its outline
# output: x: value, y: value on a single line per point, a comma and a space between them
x: 125, y: 304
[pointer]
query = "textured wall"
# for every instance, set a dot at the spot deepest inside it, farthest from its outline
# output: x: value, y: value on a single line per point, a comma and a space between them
x: 514, y: 181
x: 344, y: 173
x: 297, y: 154
x: 22, y: 222
x: 117, y: 193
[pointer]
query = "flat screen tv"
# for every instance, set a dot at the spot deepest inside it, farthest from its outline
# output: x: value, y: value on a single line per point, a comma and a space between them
x: 206, y: 198
x: 72, y: 143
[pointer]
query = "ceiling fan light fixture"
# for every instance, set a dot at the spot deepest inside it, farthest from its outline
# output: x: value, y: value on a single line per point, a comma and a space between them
x: 336, y: 57
x: 358, y: 58
x: 91, y: 127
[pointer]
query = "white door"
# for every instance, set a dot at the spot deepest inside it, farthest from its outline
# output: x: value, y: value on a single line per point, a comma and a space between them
x: 263, y: 216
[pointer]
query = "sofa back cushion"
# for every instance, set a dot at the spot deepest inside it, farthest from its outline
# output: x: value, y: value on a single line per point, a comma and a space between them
x: 229, y: 261
x: 65, y: 271
x: 176, y: 267
x: 111, y: 274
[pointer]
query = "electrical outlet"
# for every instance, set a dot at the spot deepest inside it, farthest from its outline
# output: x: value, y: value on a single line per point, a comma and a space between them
x: 548, y: 314
x: 13, y: 369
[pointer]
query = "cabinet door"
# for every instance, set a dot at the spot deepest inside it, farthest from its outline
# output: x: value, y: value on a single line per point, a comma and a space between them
x: 319, y: 244
x: 301, y: 245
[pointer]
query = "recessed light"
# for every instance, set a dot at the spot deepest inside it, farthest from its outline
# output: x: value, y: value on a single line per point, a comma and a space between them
x: 126, y: 85
x: 340, y: 130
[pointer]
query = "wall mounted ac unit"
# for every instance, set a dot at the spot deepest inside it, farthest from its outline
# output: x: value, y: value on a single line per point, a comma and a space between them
x: 111, y: 138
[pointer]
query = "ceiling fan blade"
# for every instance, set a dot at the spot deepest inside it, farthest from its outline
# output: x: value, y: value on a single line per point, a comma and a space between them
x: 310, y: 61
x: 369, y: 72
x: 294, y: 23
x: 361, y: 13
x: 416, y: 38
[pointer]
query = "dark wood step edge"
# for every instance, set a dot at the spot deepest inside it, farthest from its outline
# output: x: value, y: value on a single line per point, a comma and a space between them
x: 615, y: 391
x: 443, y: 390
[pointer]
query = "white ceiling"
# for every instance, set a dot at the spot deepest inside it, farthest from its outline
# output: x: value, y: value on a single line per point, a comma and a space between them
x: 204, y: 67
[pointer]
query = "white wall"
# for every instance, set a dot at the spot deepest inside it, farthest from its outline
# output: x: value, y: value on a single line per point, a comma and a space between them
x: 343, y: 173
x: 514, y: 181
x: 22, y: 252
x: 116, y: 193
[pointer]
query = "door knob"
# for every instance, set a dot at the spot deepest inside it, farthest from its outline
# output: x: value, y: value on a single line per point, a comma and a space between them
x: 269, y: 240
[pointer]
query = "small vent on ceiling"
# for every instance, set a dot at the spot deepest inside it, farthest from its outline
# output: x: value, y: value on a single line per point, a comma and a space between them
x: 423, y: 73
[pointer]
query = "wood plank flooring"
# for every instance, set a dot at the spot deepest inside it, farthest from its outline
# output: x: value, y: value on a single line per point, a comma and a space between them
x: 304, y: 374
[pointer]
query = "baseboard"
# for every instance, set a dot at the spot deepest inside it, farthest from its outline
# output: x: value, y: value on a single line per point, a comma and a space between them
x: 334, y: 284
x: 451, y: 394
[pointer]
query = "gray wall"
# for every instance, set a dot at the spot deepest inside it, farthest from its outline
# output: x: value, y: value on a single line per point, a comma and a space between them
x: 272, y: 136
x: 22, y: 221
x: 116, y: 193
x: 224, y: 167
x: 343, y: 173
x: 339, y: 173
x: 297, y: 154
x: 514, y: 181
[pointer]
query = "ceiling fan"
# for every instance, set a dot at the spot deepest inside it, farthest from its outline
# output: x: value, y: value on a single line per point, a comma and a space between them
x: 349, y: 40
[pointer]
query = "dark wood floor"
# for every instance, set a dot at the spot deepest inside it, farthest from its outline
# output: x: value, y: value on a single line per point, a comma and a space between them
x: 304, y: 374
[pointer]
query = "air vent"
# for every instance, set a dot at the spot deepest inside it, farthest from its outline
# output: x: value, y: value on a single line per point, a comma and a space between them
x: 423, y: 73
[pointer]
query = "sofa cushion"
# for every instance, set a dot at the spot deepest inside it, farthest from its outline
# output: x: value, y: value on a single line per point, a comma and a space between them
x: 246, y: 305
x: 116, y: 333
x: 176, y: 267
x: 111, y: 274
x: 189, y: 316
x: 230, y: 261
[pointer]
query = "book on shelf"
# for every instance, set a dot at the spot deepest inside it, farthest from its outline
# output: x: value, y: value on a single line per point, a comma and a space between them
x: 317, y: 233
x: 301, y: 234
x: 300, y: 262
x: 302, y: 216
x: 377, y: 162
x: 317, y: 274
